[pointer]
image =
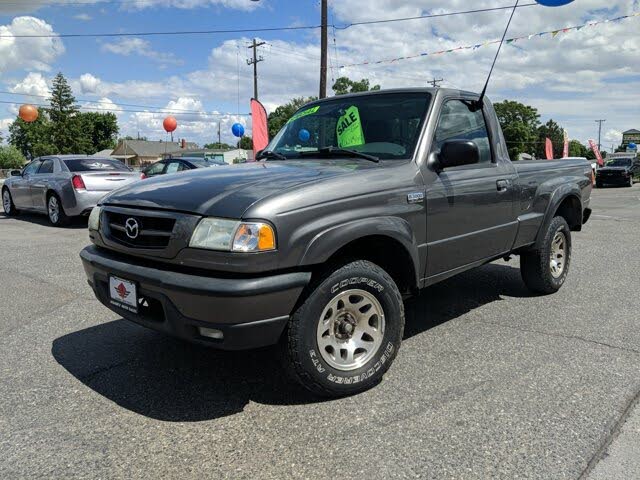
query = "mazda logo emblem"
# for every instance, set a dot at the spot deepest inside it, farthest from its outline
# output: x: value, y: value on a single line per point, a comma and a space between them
x: 132, y: 228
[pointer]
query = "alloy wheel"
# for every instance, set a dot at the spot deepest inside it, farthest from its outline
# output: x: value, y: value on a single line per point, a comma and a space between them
x: 558, y: 254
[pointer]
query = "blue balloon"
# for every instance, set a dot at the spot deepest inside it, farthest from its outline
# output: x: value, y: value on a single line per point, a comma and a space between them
x: 553, y: 3
x: 237, y: 129
x: 304, y: 135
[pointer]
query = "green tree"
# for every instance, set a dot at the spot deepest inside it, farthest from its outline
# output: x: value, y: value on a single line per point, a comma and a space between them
x: 217, y: 146
x: 245, y: 143
x: 32, y: 139
x: 281, y: 115
x: 344, y: 85
x: 519, y: 124
x: 99, y: 131
x: 577, y: 149
x: 11, y: 157
x: 66, y: 126
x: 554, y: 132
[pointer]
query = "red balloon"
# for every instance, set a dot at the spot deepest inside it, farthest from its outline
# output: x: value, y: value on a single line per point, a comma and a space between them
x: 170, y: 124
x: 28, y: 113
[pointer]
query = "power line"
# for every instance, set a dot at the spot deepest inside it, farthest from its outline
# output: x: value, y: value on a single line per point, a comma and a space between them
x: 258, y: 29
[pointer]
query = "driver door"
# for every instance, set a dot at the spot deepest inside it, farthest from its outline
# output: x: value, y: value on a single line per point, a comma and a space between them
x: 21, y: 188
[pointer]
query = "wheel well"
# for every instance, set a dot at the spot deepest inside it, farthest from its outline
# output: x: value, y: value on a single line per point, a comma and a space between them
x: 570, y: 209
x: 387, y: 253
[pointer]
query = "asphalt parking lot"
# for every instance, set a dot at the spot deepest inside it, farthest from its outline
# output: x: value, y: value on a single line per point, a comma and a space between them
x: 490, y: 381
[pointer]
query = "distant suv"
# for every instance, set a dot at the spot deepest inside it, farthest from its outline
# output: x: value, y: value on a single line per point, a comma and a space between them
x: 618, y: 171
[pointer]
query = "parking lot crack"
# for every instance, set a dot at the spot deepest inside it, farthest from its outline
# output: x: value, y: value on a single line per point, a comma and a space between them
x: 560, y: 335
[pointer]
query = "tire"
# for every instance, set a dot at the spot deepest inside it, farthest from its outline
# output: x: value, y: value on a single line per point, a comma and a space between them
x: 336, y: 349
x: 56, y: 214
x: 542, y: 273
x: 7, y: 203
x: 630, y: 181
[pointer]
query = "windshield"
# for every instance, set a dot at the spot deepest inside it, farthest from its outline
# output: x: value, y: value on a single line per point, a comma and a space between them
x: 95, y: 164
x: 204, y: 162
x: 383, y: 125
x: 619, y: 162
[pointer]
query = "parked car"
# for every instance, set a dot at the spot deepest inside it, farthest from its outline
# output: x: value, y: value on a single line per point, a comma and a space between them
x: 63, y: 186
x: 618, y: 171
x: 360, y: 201
x: 173, y: 165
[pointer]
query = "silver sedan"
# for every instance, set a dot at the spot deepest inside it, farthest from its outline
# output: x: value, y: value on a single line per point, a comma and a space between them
x: 63, y: 186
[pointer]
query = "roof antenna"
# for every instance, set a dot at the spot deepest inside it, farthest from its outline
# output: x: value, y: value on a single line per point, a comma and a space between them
x: 477, y: 105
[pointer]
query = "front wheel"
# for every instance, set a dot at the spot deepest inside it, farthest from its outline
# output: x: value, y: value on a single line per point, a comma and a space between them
x: 545, y: 270
x: 630, y: 181
x: 7, y: 203
x: 346, y: 334
x: 55, y: 211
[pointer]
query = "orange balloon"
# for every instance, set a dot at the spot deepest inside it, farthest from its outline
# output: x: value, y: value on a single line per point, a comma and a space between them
x: 170, y: 124
x: 28, y: 113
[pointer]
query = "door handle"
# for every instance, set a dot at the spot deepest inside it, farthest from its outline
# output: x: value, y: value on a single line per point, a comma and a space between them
x: 502, y: 185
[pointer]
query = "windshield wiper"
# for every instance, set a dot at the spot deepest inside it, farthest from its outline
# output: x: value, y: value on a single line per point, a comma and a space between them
x: 270, y: 154
x: 331, y: 151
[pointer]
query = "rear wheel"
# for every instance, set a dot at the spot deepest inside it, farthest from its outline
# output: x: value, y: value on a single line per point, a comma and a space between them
x: 346, y: 334
x: 7, y: 203
x: 545, y: 270
x: 55, y: 211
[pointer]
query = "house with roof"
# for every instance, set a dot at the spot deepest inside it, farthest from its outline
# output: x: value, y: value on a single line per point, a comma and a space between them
x: 144, y: 152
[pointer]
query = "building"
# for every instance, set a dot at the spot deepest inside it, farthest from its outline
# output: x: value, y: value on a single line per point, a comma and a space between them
x: 143, y: 152
x: 630, y: 136
x: 103, y: 153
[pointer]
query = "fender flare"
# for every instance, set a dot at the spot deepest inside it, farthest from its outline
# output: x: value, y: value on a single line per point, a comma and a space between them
x: 329, y: 241
x: 558, y: 196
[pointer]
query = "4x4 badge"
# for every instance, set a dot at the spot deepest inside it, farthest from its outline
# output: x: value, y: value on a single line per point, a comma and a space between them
x: 415, y: 197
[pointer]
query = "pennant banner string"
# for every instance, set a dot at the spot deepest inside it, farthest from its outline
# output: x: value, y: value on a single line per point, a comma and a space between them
x: 553, y: 33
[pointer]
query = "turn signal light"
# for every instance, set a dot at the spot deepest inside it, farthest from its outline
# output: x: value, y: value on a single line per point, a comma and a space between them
x: 78, y: 183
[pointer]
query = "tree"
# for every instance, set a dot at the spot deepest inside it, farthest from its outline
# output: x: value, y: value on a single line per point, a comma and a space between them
x: 577, y: 149
x: 281, y: 115
x: 245, y: 143
x: 99, y: 131
x: 66, y: 127
x: 32, y: 139
x: 554, y: 132
x: 217, y: 146
x: 519, y: 124
x: 11, y: 157
x: 344, y: 85
x: 129, y: 137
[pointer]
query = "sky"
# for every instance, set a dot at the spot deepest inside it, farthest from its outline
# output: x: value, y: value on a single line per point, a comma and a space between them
x: 574, y: 78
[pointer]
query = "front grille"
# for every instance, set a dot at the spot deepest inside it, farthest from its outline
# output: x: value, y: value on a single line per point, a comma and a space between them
x: 152, y: 232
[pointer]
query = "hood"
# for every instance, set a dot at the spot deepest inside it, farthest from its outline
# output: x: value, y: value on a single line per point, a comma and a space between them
x: 228, y: 192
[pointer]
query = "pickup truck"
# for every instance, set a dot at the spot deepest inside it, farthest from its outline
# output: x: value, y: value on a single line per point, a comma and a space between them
x: 358, y: 202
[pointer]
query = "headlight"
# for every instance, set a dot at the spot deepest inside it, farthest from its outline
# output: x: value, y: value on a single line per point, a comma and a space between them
x: 232, y: 235
x: 94, y: 218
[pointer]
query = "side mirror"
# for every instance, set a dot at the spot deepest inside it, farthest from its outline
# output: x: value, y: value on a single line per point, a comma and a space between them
x: 258, y: 155
x: 16, y: 173
x: 456, y: 153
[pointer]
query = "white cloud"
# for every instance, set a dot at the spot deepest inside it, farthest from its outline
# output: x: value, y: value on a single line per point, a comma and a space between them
x: 28, y: 53
x: 614, y: 136
x: 104, y: 105
x: 33, y: 84
x: 88, y: 83
x: 84, y: 17
x: 137, y: 46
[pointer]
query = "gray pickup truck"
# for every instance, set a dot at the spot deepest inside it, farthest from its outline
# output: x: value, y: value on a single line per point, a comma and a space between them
x: 359, y: 201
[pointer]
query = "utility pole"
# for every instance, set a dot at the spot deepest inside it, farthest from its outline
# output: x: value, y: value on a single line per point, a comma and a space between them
x: 323, y: 49
x: 219, y: 141
x: 254, y: 45
x: 435, y: 81
x: 599, y: 122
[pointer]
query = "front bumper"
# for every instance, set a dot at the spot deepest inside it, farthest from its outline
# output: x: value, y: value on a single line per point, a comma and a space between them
x: 612, y: 179
x: 250, y: 312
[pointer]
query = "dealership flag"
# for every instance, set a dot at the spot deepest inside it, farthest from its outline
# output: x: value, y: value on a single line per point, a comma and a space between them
x: 548, y: 148
x: 259, y: 129
x: 596, y: 150
x: 565, y: 150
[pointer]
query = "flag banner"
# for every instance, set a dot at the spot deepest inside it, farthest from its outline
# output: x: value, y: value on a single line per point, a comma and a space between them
x: 259, y: 128
x: 565, y: 150
x: 548, y: 149
x: 554, y: 34
x: 596, y: 151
